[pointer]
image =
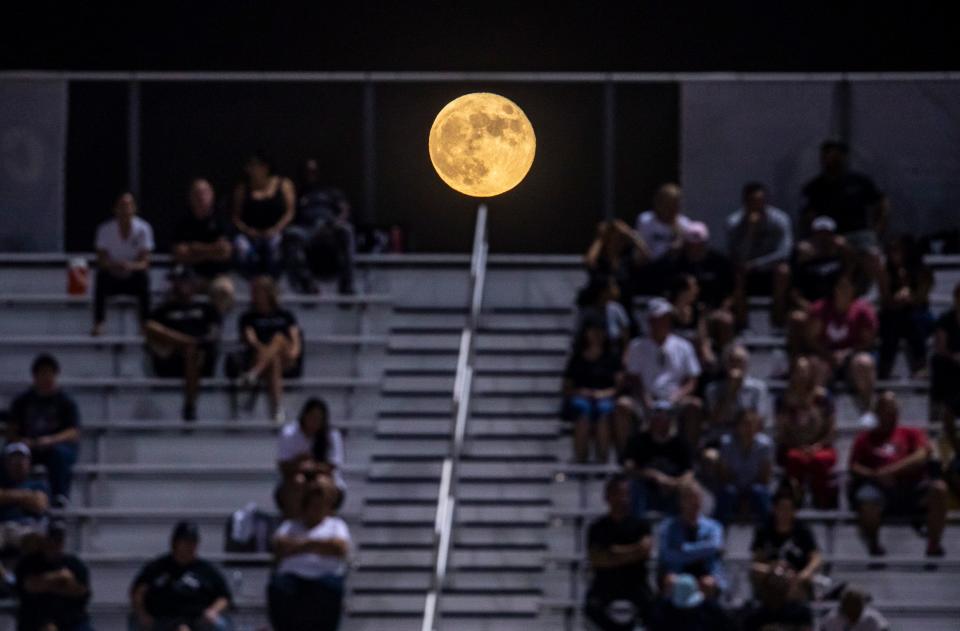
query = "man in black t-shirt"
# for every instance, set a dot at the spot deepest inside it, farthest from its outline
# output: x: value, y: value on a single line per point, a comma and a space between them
x: 619, y: 546
x: 180, y: 589
x: 714, y: 272
x: 54, y: 587
x: 785, y: 552
x: 660, y: 460
x: 182, y: 336
x: 200, y: 241
x: 47, y: 421
x: 944, y: 377
x: 849, y: 198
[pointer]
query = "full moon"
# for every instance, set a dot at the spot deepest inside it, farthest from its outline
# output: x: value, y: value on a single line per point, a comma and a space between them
x: 482, y: 144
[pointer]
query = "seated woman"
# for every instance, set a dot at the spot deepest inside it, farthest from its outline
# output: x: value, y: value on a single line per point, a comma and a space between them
x: 263, y: 206
x: 804, y: 433
x: 306, y: 592
x: 785, y: 553
x: 308, y: 449
x: 590, y: 385
x: 274, y: 348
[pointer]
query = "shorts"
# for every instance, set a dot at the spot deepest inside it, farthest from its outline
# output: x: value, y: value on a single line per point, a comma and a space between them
x: 171, y: 366
x: 903, y: 499
x: 578, y: 407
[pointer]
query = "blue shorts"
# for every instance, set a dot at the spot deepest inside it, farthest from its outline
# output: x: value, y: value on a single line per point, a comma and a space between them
x: 592, y: 409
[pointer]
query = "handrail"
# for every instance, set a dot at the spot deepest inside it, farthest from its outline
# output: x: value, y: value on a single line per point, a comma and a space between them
x: 462, y: 385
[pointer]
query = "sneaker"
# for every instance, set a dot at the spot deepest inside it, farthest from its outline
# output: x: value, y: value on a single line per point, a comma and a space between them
x: 280, y: 417
x: 189, y: 412
x: 936, y: 551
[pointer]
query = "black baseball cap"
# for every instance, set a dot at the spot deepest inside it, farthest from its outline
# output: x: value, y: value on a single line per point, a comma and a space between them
x: 185, y: 530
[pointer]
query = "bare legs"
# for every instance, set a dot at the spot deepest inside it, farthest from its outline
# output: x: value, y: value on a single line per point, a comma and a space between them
x: 271, y: 360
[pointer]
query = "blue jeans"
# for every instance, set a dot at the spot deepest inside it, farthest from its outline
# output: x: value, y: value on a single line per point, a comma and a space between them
x: 59, y: 461
x: 299, y: 604
x: 256, y: 256
x: 729, y: 497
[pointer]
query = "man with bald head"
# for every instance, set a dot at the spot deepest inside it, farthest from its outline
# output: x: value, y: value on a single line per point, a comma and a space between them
x: 200, y: 241
x: 890, y: 468
x: 661, y: 228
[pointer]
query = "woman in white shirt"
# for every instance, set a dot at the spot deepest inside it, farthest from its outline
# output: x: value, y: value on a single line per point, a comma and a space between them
x: 306, y: 592
x: 307, y: 449
x: 123, y: 260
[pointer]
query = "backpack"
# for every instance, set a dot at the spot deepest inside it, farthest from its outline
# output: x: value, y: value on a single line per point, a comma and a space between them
x: 250, y: 530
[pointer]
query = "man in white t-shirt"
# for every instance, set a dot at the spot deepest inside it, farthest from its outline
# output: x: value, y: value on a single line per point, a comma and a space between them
x: 123, y: 246
x: 661, y: 229
x: 660, y: 367
x: 306, y: 592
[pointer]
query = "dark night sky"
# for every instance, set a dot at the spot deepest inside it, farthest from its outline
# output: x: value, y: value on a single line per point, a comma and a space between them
x: 491, y: 36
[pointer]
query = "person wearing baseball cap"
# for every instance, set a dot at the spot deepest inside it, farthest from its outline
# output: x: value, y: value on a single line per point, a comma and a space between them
x: 182, y: 337
x: 180, y: 589
x: 659, y: 366
x: 23, y: 501
x: 713, y: 271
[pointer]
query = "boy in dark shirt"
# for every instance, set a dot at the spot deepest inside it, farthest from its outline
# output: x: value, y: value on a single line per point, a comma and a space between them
x: 54, y: 587
x: 182, y: 336
x: 619, y: 546
x: 660, y: 460
x: 180, y: 589
x: 47, y: 421
x: 785, y: 551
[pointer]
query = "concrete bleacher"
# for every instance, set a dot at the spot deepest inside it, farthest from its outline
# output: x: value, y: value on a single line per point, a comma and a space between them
x: 385, y: 360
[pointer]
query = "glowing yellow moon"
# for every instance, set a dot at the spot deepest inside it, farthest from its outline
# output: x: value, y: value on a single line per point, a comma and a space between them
x: 482, y: 144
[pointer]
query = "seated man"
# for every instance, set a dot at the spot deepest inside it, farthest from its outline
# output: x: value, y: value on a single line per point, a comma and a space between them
x: 746, y: 464
x: 619, y: 545
x: 841, y: 333
x: 851, y: 200
x: 306, y: 591
x: 692, y: 544
x: 47, y: 421
x: 714, y: 271
x: 759, y: 242
x: 889, y: 465
x: 785, y: 553
x: 660, y: 367
x: 817, y: 263
x: 200, y: 241
x: 182, y: 336
x: 179, y: 590
x: 54, y: 587
x: 320, y: 239
x: 661, y: 232
x: 659, y: 460
x: 23, y: 502
x: 735, y: 392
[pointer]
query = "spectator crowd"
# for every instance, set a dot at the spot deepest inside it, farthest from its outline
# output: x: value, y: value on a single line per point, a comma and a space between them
x: 660, y: 380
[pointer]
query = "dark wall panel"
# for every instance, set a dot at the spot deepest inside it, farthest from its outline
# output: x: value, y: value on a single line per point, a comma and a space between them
x: 547, y: 212
x: 96, y: 158
x: 647, y: 134
x: 207, y: 129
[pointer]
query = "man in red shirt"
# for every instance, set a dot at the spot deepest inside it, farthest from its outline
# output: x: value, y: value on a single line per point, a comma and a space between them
x: 889, y: 465
x: 843, y: 329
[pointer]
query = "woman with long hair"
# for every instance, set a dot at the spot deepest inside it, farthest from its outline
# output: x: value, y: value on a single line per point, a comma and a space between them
x: 263, y: 206
x: 308, y: 449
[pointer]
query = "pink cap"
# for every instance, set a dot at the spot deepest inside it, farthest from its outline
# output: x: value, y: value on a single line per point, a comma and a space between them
x: 696, y: 232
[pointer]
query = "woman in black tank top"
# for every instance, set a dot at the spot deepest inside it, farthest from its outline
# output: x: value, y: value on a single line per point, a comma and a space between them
x: 263, y: 206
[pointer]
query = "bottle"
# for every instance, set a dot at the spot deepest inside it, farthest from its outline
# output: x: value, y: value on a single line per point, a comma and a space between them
x: 78, y: 278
